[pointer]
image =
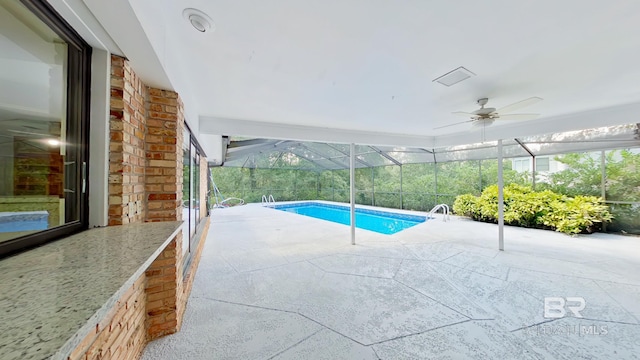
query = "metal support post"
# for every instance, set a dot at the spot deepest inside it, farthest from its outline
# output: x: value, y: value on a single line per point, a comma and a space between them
x: 352, y: 183
x: 500, y: 199
x: 401, y: 196
x: 603, y: 182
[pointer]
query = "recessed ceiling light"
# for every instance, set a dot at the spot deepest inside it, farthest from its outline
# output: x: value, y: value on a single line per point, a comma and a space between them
x: 199, y: 20
x: 454, y: 76
x: 53, y: 142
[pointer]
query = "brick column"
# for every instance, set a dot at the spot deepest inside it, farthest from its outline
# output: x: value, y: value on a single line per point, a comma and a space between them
x: 126, y: 146
x: 164, y: 155
x: 163, y: 288
x: 163, y: 149
x: 145, y: 184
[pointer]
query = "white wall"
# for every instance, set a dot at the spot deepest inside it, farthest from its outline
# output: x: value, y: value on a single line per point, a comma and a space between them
x: 554, y: 166
x: 98, y: 172
x: 213, y: 147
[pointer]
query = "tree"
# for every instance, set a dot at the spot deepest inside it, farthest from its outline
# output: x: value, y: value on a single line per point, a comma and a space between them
x: 581, y: 177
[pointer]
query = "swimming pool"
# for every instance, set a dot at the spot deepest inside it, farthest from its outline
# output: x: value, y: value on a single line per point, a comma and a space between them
x: 379, y: 221
x: 23, y: 221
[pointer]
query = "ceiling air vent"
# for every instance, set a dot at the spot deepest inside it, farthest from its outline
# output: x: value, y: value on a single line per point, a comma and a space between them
x: 454, y: 76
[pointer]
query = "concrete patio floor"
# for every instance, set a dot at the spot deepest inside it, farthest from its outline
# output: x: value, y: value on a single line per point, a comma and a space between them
x: 277, y: 285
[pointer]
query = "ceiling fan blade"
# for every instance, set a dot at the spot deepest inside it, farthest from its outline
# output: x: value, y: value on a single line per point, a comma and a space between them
x: 458, y: 123
x: 463, y: 114
x: 519, y: 105
x: 518, y: 116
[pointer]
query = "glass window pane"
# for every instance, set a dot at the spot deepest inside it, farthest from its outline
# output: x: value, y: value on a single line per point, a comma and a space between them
x: 186, y: 188
x: 192, y: 201
x: 196, y: 193
x: 39, y: 189
x: 521, y: 164
x: 542, y: 164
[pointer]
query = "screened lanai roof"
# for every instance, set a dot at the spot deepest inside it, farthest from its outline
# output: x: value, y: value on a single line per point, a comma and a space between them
x: 269, y: 153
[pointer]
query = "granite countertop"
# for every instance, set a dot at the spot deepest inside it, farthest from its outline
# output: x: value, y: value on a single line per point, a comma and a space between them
x: 51, y: 297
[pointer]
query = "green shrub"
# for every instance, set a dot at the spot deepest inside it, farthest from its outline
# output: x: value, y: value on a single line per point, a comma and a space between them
x: 627, y: 218
x: 577, y: 214
x: 488, y: 204
x: 465, y: 205
x: 538, y: 209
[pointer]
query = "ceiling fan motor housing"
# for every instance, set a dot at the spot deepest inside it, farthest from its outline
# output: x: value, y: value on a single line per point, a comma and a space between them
x: 483, y: 112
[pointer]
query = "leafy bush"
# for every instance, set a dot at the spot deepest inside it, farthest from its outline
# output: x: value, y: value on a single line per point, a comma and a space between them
x: 538, y: 209
x: 465, y: 205
x: 627, y: 218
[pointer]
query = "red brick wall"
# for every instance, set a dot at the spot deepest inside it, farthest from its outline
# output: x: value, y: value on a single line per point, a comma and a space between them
x: 164, y: 156
x: 164, y: 284
x: 126, y: 147
x: 145, y: 184
x: 121, y: 335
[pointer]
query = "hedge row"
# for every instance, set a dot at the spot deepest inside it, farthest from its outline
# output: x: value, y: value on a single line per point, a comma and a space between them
x: 536, y: 209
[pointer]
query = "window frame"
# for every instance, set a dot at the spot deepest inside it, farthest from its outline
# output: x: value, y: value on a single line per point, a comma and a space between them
x: 78, y: 108
x: 195, y: 152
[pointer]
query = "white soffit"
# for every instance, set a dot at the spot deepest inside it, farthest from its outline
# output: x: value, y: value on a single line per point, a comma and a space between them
x: 119, y: 20
x: 78, y: 15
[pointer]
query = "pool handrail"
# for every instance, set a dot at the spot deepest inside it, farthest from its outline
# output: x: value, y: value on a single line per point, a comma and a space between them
x: 221, y: 201
x: 445, y: 211
x: 268, y: 201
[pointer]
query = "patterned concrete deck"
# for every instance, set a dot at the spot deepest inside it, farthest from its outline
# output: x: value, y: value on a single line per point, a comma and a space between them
x: 276, y: 285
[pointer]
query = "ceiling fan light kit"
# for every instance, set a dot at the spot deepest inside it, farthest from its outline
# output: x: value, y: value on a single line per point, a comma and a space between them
x: 483, y: 122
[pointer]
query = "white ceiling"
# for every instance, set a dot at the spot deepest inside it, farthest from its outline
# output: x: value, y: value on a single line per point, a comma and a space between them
x: 362, y: 70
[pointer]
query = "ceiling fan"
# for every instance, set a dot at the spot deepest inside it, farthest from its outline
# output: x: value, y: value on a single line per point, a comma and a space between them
x: 485, y: 116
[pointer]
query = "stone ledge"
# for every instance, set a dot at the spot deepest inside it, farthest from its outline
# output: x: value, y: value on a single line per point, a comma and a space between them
x: 53, y: 296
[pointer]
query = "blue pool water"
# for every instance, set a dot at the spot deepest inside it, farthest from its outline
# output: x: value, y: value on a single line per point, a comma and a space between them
x: 379, y: 221
x: 23, y: 226
x: 23, y: 221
